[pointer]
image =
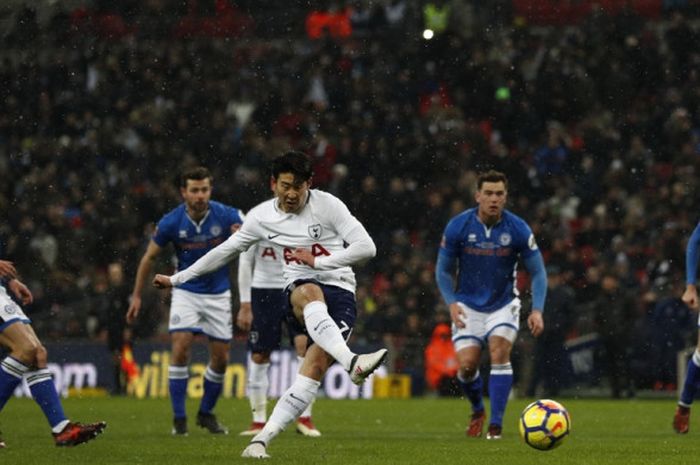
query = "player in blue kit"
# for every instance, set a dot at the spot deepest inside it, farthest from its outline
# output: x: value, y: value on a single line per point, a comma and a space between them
x: 28, y: 360
x: 264, y: 311
x: 202, y: 305
x: 681, y: 420
x: 483, y: 245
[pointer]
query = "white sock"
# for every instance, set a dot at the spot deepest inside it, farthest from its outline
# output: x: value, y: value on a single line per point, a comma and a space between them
x: 299, y: 395
x: 307, y: 411
x: 258, y: 383
x: 326, y: 333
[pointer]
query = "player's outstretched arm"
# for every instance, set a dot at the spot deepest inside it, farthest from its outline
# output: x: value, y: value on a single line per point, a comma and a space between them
x: 215, y: 258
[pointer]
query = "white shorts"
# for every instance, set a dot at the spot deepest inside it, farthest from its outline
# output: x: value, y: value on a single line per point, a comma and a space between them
x: 202, y: 313
x: 10, y: 312
x: 479, y: 326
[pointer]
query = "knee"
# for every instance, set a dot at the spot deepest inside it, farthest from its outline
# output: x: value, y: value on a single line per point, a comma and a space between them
x: 218, y: 362
x: 469, y: 370
x: 30, y: 353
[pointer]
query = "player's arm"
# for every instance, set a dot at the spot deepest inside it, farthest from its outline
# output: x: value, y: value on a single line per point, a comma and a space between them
x: 142, y: 273
x: 692, y: 255
x: 246, y: 262
x: 7, y: 270
x: 538, y: 277
x: 20, y: 290
x: 445, y: 269
x: 212, y: 260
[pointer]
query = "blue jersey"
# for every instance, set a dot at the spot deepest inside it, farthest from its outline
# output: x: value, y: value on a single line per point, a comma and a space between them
x: 486, y: 257
x: 193, y: 240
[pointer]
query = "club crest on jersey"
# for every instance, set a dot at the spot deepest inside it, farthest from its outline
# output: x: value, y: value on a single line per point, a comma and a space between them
x: 9, y: 309
x: 175, y: 319
x: 253, y: 337
x: 505, y: 239
x: 315, y: 231
x: 215, y: 230
x: 182, y: 234
x: 471, y: 237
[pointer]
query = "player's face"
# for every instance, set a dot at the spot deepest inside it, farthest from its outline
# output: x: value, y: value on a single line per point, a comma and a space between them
x: 196, y: 195
x: 291, y: 192
x: 491, y: 199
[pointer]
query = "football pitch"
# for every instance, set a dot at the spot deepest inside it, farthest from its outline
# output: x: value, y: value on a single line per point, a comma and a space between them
x: 413, y: 431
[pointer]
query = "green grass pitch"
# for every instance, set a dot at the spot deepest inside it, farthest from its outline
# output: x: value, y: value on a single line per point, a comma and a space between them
x: 376, y: 432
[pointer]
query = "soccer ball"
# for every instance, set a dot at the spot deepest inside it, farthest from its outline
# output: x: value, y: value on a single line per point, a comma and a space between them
x: 544, y: 424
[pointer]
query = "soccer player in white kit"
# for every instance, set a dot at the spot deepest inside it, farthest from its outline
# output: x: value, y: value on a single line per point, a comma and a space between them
x: 263, y: 312
x: 320, y: 239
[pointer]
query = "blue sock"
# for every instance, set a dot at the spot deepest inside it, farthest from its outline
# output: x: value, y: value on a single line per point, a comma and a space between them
x: 692, y: 377
x: 213, y: 384
x: 473, y: 390
x: 177, y: 382
x: 500, y: 382
x: 44, y: 393
x: 11, y: 372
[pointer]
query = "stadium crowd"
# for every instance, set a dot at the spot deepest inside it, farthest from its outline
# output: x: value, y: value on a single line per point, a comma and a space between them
x: 596, y: 124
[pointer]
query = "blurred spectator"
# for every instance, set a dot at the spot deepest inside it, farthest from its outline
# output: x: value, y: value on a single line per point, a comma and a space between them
x: 441, y: 362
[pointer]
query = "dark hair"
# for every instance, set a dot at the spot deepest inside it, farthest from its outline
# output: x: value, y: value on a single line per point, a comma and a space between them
x: 491, y: 176
x: 196, y: 173
x: 297, y: 163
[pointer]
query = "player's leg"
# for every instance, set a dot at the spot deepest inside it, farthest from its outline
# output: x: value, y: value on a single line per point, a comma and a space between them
x: 293, y: 402
x: 215, y: 321
x: 502, y: 329
x: 468, y: 343
x: 25, y: 345
x: 269, y: 307
x: 305, y: 424
x: 500, y: 382
x: 309, y: 305
x: 178, y: 376
x: 257, y: 386
x: 681, y: 419
x: 213, y: 385
x: 22, y: 356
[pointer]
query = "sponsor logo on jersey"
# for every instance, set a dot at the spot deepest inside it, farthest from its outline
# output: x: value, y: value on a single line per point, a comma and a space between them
x: 315, y: 231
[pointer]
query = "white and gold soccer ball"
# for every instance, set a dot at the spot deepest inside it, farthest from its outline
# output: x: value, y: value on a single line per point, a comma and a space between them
x: 544, y: 424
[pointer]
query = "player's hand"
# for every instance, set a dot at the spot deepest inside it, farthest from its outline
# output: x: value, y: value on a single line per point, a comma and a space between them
x: 162, y: 281
x: 134, y: 308
x: 457, y: 315
x: 304, y: 256
x: 690, y: 297
x: 535, y: 322
x: 244, y: 319
x: 7, y: 270
x: 21, y: 291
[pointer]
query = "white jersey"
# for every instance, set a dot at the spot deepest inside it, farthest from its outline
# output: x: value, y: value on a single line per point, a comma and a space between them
x: 261, y: 267
x: 324, y: 225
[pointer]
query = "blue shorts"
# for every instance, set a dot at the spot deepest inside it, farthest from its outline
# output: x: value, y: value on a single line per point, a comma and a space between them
x: 342, y: 307
x: 270, y: 310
